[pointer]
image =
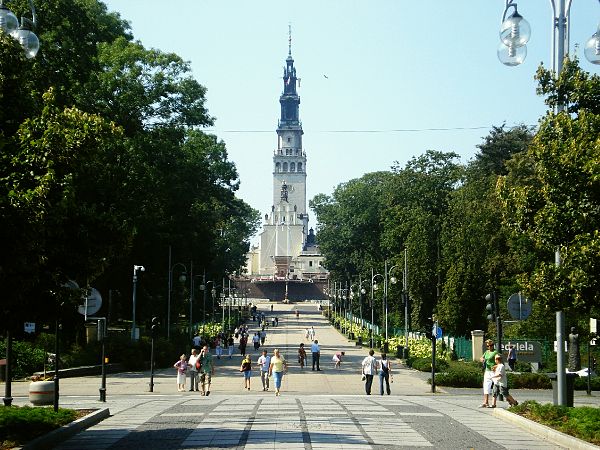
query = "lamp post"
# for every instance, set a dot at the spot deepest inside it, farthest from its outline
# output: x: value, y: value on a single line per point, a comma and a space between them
x: 514, y: 35
x: 373, y: 289
x: 405, y: 298
x: 30, y: 43
x: 136, y: 269
x: 182, y: 279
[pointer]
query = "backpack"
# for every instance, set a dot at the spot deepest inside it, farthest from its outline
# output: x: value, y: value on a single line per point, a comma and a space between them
x: 198, y: 365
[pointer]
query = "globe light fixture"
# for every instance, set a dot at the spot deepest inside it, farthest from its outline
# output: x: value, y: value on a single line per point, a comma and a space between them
x: 592, y: 48
x: 515, y: 32
x: 22, y: 33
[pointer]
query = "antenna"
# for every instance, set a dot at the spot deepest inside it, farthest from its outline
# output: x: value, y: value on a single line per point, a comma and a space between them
x: 290, y: 39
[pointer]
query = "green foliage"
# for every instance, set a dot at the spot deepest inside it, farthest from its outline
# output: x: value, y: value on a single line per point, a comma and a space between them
x: 26, y: 357
x: 424, y: 364
x: 461, y: 375
x: 529, y: 381
x: 21, y: 424
x: 581, y: 383
x: 581, y: 422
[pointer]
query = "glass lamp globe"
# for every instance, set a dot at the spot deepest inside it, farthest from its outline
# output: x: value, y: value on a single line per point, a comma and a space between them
x: 375, y: 286
x: 182, y: 278
x: 592, y: 48
x: 515, y: 31
x: 8, y: 21
x: 511, y: 56
x: 363, y: 291
x: 28, y: 40
x: 393, y: 280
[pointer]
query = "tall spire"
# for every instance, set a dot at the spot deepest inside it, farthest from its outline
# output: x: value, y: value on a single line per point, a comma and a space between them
x: 290, y: 39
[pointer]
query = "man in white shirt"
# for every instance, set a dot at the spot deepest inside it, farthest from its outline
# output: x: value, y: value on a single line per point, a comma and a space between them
x: 264, y: 361
x: 316, y: 354
x: 369, y: 369
x: 193, y: 372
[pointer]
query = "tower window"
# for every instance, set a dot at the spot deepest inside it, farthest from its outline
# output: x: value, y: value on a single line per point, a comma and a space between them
x: 277, y: 167
x: 285, y: 167
x: 310, y: 264
x: 299, y: 167
x: 292, y: 167
x: 289, y: 139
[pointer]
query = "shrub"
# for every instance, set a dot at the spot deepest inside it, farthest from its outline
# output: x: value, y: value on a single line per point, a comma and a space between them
x: 26, y: 357
x: 581, y: 383
x: 20, y: 424
x: 581, y: 422
x: 460, y: 375
x: 424, y: 364
x: 529, y: 381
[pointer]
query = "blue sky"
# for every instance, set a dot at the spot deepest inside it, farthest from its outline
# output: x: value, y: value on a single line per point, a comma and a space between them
x: 366, y: 68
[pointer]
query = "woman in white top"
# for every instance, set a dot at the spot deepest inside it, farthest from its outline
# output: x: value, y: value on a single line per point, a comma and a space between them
x: 385, y: 369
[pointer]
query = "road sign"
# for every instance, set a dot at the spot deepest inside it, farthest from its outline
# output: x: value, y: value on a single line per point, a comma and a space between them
x: 519, y: 307
x: 437, y: 331
x: 91, y: 303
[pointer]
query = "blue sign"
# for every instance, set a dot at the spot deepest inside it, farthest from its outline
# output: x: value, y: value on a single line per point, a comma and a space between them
x: 437, y: 331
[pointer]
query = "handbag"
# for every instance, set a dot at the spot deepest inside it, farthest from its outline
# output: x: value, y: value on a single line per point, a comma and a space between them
x: 364, y: 377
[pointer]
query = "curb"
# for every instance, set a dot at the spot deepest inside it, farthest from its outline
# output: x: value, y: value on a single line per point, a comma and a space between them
x: 50, y: 440
x: 544, y: 431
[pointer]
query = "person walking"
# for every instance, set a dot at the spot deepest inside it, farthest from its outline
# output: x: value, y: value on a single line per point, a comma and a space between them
x: 219, y: 346
x: 193, y: 370
x: 263, y: 336
x: 277, y: 368
x: 256, y: 340
x: 230, y: 344
x: 243, y: 343
x: 301, y: 355
x: 488, y: 360
x: 369, y: 369
x: 316, y: 354
x: 181, y: 366
x: 500, y: 388
x: 246, y: 369
x: 207, y: 370
x: 512, y: 357
x: 385, y: 371
x: 264, y: 361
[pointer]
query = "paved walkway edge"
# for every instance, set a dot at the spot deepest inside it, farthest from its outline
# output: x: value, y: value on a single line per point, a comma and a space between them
x: 544, y: 431
x: 50, y: 440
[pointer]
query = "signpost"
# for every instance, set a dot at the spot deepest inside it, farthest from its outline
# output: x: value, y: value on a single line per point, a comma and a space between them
x: 519, y: 307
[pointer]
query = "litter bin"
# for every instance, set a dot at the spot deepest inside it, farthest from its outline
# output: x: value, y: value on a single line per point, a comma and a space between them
x: 359, y: 341
x: 405, y: 353
x: 351, y: 336
x: 399, y: 351
x: 570, y: 381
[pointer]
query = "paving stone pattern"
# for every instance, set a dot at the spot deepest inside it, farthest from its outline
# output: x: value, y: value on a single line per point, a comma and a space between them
x: 310, y: 422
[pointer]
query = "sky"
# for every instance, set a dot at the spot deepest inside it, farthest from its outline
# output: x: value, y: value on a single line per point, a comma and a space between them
x: 381, y: 80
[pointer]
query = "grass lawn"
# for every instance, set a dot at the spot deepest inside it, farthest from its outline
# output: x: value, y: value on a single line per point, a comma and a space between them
x: 19, y: 425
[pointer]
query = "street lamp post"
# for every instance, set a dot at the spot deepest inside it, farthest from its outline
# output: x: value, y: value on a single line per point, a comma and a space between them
x: 30, y: 43
x: 182, y: 279
x: 514, y: 35
x: 373, y: 289
x: 136, y: 269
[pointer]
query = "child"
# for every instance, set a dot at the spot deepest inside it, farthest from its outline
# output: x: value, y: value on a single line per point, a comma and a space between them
x: 500, y: 383
x: 181, y: 367
x: 246, y: 369
x: 301, y: 355
x: 337, y: 359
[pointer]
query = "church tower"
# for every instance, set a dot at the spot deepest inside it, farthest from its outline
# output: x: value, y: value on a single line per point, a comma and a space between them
x: 289, y: 160
x: 287, y: 250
